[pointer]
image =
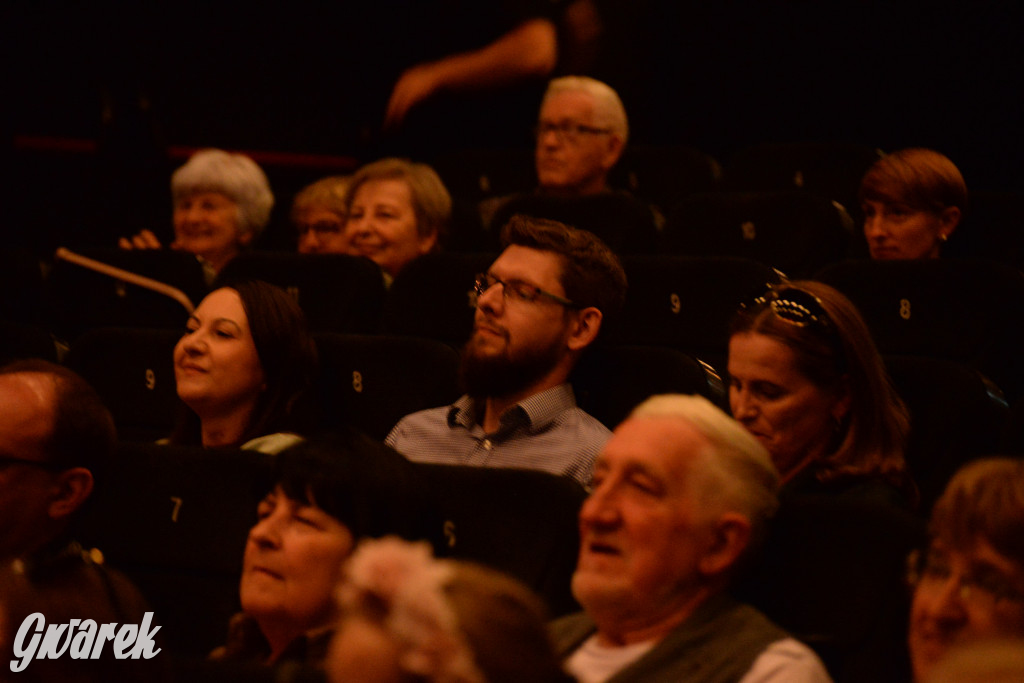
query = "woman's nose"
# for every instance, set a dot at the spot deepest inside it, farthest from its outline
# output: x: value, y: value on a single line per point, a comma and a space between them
x: 265, y: 533
x: 743, y: 408
x: 872, y: 226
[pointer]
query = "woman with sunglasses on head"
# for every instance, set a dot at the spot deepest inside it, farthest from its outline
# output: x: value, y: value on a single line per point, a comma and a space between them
x: 808, y: 382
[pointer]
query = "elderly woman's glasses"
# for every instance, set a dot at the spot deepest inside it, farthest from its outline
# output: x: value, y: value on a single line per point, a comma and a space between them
x: 571, y: 133
x: 517, y: 290
x: 795, y: 306
x: 321, y: 228
x: 982, y: 586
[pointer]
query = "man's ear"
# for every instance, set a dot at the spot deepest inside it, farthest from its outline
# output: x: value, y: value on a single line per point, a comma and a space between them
x: 730, y: 537
x: 71, y: 489
x: 612, y: 152
x: 584, y: 328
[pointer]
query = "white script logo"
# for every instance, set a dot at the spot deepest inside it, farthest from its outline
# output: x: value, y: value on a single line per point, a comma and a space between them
x: 130, y: 641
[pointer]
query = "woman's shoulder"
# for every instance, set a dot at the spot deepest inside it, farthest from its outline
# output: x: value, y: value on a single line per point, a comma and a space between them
x: 272, y: 444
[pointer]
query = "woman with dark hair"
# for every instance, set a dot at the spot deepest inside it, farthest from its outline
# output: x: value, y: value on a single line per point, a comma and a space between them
x: 912, y: 200
x: 242, y: 367
x: 324, y: 497
x: 808, y: 382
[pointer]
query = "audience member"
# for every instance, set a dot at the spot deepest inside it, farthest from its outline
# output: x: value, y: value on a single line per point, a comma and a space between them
x: 242, y: 369
x: 222, y: 202
x: 581, y: 133
x: 56, y: 439
x: 397, y: 211
x: 969, y: 582
x: 912, y: 201
x: 682, y: 495
x: 318, y: 216
x: 409, y: 617
x: 325, y: 496
x: 539, y: 306
x: 807, y: 381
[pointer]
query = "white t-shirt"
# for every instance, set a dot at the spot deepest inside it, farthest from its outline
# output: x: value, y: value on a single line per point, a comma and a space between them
x: 784, y: 661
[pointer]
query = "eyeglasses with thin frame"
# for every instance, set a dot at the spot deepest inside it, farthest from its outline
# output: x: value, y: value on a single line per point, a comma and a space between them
x: 931, y: 569
x: 321, y: 228
x: 571, y: 133
x: 10, y: 461
x: 517, y: 290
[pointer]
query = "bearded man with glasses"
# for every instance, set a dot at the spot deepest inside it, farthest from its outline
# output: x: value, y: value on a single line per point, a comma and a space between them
x: 539, y: 306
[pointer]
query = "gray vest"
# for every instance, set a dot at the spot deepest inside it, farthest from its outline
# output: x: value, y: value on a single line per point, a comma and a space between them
x: 718, y: 643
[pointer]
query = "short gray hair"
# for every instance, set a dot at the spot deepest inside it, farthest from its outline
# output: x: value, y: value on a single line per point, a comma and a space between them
x: 607, y: 106
x: 236, y: 176
x: 737, y: 469
x: 430, y: 199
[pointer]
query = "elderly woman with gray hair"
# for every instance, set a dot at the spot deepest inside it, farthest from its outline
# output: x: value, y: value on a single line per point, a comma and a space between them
x: 222, y: 201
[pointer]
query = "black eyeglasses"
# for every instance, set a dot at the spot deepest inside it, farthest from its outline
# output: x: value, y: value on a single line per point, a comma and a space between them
x: 321, y: 228
x: 567, y: 132
x: 517, y: 290
x: 9, y: 461
x: 795, y: 306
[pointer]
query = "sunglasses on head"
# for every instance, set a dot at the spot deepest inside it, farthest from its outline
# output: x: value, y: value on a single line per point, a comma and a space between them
x: 794, y: 306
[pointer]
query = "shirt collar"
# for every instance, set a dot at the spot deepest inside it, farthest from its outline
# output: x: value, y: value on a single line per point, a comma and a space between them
x: 536, y: 412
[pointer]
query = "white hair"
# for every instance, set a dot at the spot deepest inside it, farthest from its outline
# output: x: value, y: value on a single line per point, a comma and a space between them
x: 607, y: 106
x: 236, y: 176
x: 737, y: 470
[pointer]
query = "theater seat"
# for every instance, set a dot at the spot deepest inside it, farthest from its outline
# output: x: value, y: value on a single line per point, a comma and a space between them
x: 372, y: 381
x: 78, y: 299
x: 338, y: 293
x: 832, y: 170
x: 610, y: 382
x: 522, y: 522
x: 433, y: 297
x: 955, y: 417
x: 175, y: 520
x: 966, y: 311
x: 686, y: 302
x: 795, y: 232
x: 132, y: 369
x: 832, y: 574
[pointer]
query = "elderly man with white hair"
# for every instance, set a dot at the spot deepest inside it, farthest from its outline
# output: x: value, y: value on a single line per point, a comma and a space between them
x: 581, y: 133
x: 682, y: 494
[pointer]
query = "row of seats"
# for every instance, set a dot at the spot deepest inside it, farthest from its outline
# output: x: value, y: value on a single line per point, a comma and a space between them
x: 682, y: 181
x: 175, y: 520
x: 961, y: 310
x: 370, y: 381
x: 663, y: 174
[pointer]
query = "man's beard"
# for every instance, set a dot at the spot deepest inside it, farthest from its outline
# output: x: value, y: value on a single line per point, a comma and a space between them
x: 504, y: 374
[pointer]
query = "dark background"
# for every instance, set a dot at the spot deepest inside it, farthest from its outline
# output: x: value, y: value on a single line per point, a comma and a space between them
x: 104, y: 99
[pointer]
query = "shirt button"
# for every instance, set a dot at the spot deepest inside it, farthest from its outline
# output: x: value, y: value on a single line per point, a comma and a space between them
x: 488, y: 445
